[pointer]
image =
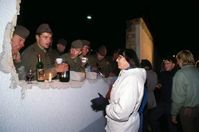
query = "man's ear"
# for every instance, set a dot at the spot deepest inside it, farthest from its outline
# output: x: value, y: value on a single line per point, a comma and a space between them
x: 37, y: 37
x: 80, y: 52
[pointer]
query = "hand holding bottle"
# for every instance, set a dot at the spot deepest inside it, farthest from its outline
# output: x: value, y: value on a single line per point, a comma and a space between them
x: 64, y: 70
x: 62, y: 67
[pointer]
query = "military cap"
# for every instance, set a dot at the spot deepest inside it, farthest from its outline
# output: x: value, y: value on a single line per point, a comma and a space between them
x: 62, y: 41
x: 21, y: 31
x: 86, y: 43
x: 43, y: 28
x: 77, y: 44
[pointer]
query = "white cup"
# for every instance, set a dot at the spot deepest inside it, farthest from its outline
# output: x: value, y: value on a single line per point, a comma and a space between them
x: 84, y: 60
x: 59, y: 60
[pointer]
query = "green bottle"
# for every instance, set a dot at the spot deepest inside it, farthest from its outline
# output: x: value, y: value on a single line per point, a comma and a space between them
x: 40, y: 73
x: 65, y: 76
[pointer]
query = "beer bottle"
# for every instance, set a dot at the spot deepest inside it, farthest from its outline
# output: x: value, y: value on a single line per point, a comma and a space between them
x: 40, y: 73
x: 65, y: 76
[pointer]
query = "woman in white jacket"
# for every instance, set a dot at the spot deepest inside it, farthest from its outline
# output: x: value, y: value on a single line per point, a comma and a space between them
x: 126, y: 95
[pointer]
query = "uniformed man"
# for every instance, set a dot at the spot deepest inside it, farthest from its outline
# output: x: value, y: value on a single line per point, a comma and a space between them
x: 72, y: 57
x: 100, y: 62
x: 17, y: 42
x: 43, y: 42
x: 61, y: 46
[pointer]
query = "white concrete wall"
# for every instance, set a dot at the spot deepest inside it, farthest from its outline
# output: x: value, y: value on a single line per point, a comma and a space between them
x: 9, y: 9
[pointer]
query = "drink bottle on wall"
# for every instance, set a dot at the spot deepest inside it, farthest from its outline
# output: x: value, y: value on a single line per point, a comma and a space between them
x: 40, y: 73
x: 65, y: 76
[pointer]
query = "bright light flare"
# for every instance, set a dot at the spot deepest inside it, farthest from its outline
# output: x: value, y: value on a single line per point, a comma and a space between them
x: 89, y: 17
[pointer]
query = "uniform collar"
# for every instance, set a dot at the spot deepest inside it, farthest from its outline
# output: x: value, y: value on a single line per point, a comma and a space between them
x: 43, y: 49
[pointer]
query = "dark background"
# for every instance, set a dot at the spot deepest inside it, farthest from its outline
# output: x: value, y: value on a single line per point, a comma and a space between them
x: 174, y: 26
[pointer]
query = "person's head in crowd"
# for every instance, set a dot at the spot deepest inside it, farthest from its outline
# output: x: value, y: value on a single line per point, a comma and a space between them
x: 76, y: 48
x: 61, y: 45
x: 44, y: 36
x: 18, y: 39
x: 169, y: 63
x: 127, y: 59
x: 101, y: 52
x: 185, y: 57
x: 146, y: 64
x: 86, y: 47
x: 116, y: 54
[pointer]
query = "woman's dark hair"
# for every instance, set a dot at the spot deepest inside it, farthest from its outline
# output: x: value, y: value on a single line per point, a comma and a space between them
x: 145, y: 63
x: 131, y: 57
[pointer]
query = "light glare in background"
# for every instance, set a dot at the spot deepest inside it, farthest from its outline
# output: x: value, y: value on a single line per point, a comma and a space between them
x: 88, y: 17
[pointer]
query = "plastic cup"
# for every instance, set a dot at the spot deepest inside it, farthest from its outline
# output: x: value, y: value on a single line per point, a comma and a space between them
x: 59, y: 60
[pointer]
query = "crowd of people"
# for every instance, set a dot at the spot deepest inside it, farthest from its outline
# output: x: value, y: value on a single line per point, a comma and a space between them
x: 98, y: 62
x: 172, y: 103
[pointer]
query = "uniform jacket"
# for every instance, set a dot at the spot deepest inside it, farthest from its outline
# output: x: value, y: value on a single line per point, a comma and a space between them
x: 126, y: 96
x: 29, y: 58
x: 75, y: 64
x: 103, y: 66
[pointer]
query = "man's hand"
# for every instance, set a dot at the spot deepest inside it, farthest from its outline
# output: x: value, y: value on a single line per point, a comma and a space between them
x: 174, y: 120
x: 61, y: 67
x: 17, y: 57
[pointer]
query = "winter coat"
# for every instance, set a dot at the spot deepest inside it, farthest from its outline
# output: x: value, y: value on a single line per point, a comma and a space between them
x: 126, y: 96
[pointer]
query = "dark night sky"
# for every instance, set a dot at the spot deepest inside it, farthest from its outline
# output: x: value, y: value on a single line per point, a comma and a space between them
x: 171, y: 24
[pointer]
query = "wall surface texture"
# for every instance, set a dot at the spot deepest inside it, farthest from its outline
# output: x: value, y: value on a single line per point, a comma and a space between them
x: 9, y: 9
